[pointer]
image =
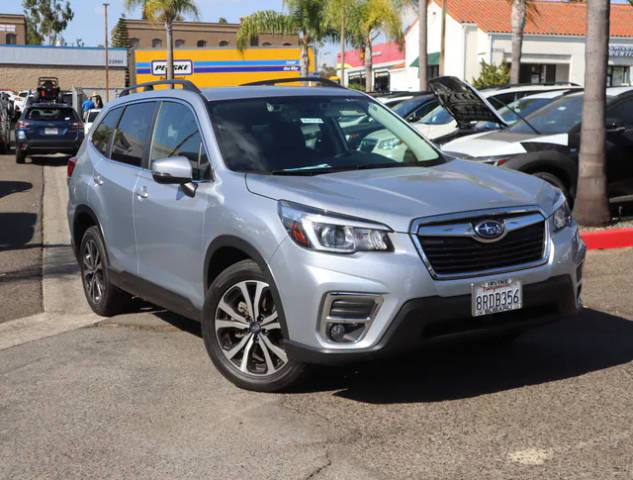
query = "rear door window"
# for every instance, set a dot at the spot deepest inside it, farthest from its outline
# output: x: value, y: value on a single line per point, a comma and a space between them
x: 51, y: 114
x: 177, y: 134
x: 131, y: 134
x: 103, y: 133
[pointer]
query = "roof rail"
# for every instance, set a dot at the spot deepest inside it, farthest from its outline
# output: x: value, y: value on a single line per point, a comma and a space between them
x: 527, y: 84
x: 186, y: 85
x: 326, y: 82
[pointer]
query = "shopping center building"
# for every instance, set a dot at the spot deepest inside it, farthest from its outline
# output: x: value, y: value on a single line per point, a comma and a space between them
x: 553, y: 46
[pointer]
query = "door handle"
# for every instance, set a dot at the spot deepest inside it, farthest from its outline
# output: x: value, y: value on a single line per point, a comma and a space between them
x: 142, y: 193
x: 98, y: 179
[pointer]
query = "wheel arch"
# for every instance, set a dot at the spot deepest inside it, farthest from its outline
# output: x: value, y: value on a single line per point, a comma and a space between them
x: 83, y: 218
x: 552, y: 162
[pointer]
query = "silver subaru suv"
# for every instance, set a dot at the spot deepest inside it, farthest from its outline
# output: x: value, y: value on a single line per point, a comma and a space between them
x: 268, y: 214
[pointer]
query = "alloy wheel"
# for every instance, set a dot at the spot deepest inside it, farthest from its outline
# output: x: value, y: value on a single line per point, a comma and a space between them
x: 93, y: 271
x: 248, y: 330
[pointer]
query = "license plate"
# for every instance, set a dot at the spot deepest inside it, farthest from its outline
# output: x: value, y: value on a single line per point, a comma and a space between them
x: 51, y: 131
x: 496, y: 296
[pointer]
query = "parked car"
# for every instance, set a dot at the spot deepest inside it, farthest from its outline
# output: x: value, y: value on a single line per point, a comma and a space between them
x: 47, y: 128
x: 216, y: 204
x: 89, y: 117
x: 417, y: 107
x: 440, y: 124
x: 5, y: 122
x: 546, y: 142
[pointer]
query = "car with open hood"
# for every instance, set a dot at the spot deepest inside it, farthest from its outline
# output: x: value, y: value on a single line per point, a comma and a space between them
x: 464, y: 110
x: 249, y: 210
x: 546, y: 143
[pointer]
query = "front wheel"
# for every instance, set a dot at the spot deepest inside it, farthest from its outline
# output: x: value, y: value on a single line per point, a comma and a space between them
x: 19, y: 156
x: 242, y: 330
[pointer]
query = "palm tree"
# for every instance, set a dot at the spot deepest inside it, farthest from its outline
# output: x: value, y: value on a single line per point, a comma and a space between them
x: 369, y: 18
x: 591, y: 206
x: 166, y: 11
x: 304, y: 18
x: 423, y: 25
x: 337, y: 14
x: 521, y: 11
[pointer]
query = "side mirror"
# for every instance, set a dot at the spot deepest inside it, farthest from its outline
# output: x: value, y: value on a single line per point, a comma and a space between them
x: 614, y: 125
x: 175, y: 171
x: 172, y: 170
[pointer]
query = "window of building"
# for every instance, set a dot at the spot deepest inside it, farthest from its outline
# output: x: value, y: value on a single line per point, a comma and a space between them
x: 201, y: 43
x: 11, y: 38
x: 223, y: 43
x: 179, y: 42
x: 103, y: 133
x: 266, y: 44
x: 177, y: 133
x: 537, y: 73
x: 157, y: 43
x: 617, y: 76
x: 134, y: 42
x: 131, y: 134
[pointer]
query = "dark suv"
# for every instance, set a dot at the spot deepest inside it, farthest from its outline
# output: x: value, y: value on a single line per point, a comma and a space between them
x: 47, y: 128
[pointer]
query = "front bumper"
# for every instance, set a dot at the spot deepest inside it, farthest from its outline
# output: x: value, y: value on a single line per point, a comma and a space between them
x: 416, y: 309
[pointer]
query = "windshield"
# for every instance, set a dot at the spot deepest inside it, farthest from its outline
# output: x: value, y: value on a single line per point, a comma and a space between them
x: 50, y: 114
x: 437, y: 116
x: 307, y: 135
x: 408, y: 106
x: 557, y: 117
x: 523, y: 107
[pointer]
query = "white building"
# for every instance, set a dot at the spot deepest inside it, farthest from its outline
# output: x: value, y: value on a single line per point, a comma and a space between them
x: 553, y: 46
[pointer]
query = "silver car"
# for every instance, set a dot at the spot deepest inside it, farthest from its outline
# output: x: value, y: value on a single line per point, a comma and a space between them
x: 246, y: 208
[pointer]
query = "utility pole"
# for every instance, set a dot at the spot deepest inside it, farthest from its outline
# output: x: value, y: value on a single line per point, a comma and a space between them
x: 443, y: 39
x: 107, y: 60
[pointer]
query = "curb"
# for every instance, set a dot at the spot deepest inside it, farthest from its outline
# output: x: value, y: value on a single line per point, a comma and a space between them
x: 612, y: 238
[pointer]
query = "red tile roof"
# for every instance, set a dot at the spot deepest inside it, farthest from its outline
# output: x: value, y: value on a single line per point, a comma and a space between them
x: 553, y: 18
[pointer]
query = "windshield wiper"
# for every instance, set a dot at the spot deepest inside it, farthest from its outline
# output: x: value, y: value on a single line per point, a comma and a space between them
x: 390, y: 165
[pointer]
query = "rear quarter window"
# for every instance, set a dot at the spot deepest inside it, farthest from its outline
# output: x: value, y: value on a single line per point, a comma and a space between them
x: 103, y: 133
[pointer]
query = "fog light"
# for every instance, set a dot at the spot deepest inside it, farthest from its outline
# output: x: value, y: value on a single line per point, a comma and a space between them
x: 337, y: 332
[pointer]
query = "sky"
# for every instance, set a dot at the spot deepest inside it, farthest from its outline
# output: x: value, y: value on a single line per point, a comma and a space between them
x: 88, y: 26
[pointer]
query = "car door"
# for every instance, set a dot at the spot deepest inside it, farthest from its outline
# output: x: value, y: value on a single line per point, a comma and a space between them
x: 168, y: 222
x: 620, y: 150
x: 115, y: 177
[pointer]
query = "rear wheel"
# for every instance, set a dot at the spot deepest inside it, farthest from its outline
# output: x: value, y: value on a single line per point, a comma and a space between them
x: 103, y: 297
x: 242, y: 330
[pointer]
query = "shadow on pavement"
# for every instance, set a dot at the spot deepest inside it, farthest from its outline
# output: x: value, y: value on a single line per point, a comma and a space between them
x: 592, y: 341
x: 47, y: 161
x: 16, y: 229
x: 8, y: 187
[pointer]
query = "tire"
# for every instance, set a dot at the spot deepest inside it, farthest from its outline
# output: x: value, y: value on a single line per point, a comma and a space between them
x: 19, y: 156
x: 248, y: 353
x: 103, y: 297
x: 557, y: 182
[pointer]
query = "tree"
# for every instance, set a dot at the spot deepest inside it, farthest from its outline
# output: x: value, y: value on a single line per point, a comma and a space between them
x: 522, y: 10
x: 222, y: 20
x: 46, y: 19
x: 337, y: 14
x: 423, y: 69
x: 167, y: 12
x: 371, y: 17
x: 591, y: 206
x: 120, y: 35
x: 492, y: 74
x: 304, y: 18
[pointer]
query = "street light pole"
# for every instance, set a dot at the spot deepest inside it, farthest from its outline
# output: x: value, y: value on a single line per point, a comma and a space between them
x: 107, y: 72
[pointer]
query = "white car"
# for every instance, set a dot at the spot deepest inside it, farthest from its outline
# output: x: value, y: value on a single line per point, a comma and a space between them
x: 89, y: 117
x: 20, y: 100
x: 439, y: 122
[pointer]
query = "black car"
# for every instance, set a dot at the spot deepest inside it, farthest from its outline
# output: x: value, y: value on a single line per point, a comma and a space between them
x: 47, y: 128
x: 415, y: 108
x: 546, y: 143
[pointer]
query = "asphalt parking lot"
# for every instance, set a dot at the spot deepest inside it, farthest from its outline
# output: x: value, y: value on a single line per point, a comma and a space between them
x: 135, y: 396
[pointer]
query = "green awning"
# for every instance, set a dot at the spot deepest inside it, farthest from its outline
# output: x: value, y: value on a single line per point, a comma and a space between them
x: 431, y: 59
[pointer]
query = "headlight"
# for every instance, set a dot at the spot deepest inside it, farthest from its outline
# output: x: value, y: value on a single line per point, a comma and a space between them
x: 390, y: 144
x: 313, y: 228
x: 561, y: 217
x: 497, y: 160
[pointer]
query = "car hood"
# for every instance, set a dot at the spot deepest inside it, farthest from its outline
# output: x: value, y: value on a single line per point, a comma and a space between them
x: 495, y: 143
x: 396, y: 196
x: 463, y: 102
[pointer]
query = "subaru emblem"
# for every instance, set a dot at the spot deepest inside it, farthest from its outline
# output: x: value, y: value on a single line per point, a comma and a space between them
x: 490, y: 229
